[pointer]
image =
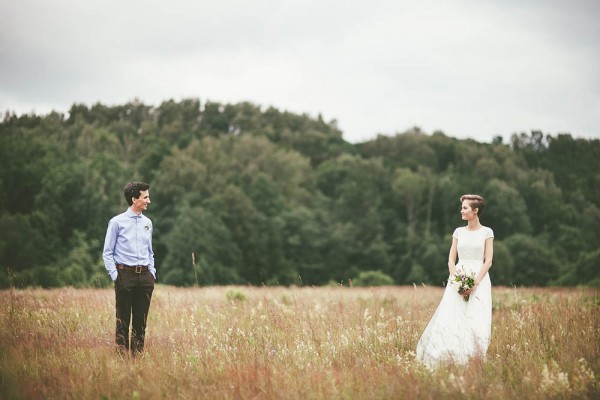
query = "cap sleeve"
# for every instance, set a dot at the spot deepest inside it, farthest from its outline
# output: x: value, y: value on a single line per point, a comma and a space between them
x: 489, y: 233
x: 455, y: 234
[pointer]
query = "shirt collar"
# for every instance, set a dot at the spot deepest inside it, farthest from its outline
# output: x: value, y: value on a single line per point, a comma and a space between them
x: 131, y: 214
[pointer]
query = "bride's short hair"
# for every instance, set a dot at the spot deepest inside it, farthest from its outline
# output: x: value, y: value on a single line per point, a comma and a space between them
x: 475, y: 201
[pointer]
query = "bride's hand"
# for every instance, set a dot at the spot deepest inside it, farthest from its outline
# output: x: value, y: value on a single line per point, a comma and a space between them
x: 470, y: 291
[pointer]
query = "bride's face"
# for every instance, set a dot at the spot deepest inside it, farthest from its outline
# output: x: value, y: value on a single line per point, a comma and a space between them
x: 466, y: 212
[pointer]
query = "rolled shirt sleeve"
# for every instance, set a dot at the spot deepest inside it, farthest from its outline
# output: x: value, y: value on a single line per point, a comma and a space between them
x: 108, y: 253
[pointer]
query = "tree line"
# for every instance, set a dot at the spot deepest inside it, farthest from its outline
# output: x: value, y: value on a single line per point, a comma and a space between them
x: 246, y: 195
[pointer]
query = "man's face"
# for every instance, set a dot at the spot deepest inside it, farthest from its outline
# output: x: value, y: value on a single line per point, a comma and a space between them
x: 141, y: 204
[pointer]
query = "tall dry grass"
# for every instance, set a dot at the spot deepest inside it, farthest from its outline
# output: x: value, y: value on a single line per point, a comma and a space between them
x: 293, y: 343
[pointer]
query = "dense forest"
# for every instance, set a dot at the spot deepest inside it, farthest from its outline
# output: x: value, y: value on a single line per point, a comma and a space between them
x: 267, y: 197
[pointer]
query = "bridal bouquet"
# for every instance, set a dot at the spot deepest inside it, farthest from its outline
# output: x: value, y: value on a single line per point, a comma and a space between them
x: 463, y: 281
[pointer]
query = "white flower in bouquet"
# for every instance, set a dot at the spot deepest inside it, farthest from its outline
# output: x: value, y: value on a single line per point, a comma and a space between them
x: 463, y: 280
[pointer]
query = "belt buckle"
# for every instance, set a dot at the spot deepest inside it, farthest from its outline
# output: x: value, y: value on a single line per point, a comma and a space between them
x: 138, y: 269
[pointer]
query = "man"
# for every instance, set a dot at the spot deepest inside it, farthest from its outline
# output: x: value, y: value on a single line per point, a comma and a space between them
x: 129, y: 260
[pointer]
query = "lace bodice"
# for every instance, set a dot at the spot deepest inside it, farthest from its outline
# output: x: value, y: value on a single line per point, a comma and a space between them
x: 471, y: 244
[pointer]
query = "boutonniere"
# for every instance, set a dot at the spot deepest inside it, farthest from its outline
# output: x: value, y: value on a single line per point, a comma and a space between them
x: 147, y: 227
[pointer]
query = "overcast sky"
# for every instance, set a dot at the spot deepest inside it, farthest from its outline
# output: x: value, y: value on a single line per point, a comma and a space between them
x: 470, y: 68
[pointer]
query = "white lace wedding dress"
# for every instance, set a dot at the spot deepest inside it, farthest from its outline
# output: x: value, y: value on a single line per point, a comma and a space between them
x: 461, y: 329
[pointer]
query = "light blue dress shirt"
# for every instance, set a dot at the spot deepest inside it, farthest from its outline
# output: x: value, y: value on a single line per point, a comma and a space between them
x: 128, y: 241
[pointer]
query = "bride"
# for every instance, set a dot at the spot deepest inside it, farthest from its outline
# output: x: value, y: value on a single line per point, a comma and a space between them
x: 461, y: 326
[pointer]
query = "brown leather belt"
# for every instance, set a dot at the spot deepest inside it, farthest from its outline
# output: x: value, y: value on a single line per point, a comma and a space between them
x: 138, y: 269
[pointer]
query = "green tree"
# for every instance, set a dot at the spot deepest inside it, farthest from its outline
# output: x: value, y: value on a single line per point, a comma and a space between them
x: 372, y: 278
x: 283, y: 198
x: 587, y: 269
x: 217, y: 258
x: 505, y: 211
x: 502, y: 271
x: 415, y: 192
x: 305, y: 241
x: 534, y: 262
x: 256, y: 237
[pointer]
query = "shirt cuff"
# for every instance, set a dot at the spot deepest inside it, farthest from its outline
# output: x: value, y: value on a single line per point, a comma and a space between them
x: 113, y: 275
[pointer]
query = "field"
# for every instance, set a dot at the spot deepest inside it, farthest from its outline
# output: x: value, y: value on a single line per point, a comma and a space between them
x: 293, y: 343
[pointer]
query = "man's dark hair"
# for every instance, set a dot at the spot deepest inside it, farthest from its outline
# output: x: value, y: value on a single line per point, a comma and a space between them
x: 133, y: 189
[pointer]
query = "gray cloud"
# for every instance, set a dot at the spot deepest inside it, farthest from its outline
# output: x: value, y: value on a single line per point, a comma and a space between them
x: 470, y: 68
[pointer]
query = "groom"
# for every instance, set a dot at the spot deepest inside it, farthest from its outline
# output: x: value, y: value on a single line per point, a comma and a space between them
x: 129, y: 260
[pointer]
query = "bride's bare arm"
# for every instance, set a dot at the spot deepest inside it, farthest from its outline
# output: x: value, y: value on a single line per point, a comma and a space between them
x: 487, y: 259
x: 452, y: 257
x: 488, y: 255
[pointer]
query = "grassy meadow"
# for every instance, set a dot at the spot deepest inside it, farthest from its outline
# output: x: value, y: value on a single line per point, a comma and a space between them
x: 293, y: 343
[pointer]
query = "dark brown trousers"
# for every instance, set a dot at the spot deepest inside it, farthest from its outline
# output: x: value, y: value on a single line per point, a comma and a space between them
x: 133, y: 293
